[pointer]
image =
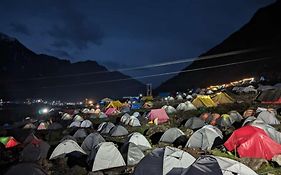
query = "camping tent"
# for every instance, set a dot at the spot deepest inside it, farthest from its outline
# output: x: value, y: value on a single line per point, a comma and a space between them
x: 124, y: 117
x: 194, y: 123
x: 114, y: 104
x: 171, y: 135
x: 80, y: 133
x: 78, y: 118
x: 9, y: 142
x: 182, y: 107
x: 75, y: 124
x: 159, y: 114
x: 111, y: 111
x: 42, y: 126
x: 217, y: 166
x: 133, y: 121
x: 169, y: 109
x: 132, y: 149
x: 268, y: 117
x: 270, y: 96
x: 105, y: 156
x: 135, y: 106
x: 66, y: 147
x: 160, y: 161
x: 118, y: 130
x: 190, y: 106
x: 205, y: 138
x: 105, y: 127
x: 222, y: 98
x: 86, y: 124
x: 91, y: 141
x: 203, y: 101
x: 252, y: 142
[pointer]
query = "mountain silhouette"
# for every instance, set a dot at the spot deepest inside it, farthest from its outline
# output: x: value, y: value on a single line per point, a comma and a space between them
x: 260, y: 43
x: 25, y: 74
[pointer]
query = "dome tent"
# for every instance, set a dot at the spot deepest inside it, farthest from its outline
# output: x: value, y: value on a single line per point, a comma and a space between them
x: 75, y: 124
x: 268, y: 117
x: 168, y: 160
x: 132, y: 149
x: 105, y: 156
x: 66, y: 147
x: 205, y: 138
x: 91, y: 141
x: 105, y: 128
x: 80, y: 133
x: 171, y: 135
x: 124, y: 117
x: 134, y: 122
x: 118, y: 130
x: 194, y: 123
x: 169, y: 109
x: 159, y: 114
x: 86, y: 124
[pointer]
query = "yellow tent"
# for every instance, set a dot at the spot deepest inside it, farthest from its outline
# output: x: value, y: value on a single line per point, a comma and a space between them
x: 147, y: 98
x: 115, y: 104
x: 203, y: 101
x: 222, y: 98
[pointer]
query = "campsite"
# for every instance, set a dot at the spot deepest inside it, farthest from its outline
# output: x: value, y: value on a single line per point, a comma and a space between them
x: 211, y: 131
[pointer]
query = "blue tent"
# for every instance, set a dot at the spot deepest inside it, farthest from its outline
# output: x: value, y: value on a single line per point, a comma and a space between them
x: 136, y: 106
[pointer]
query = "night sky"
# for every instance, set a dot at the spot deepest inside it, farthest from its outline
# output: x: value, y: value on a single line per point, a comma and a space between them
x: 125, y: 33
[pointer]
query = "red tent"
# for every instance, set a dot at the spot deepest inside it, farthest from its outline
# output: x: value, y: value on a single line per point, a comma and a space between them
x: 252, y: 142
x: 11, y: 143
x: 111, y: 111
x: 160, y: 114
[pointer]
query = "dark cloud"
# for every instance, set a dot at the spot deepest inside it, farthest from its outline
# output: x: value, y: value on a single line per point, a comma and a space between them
x: 19, y: 28
x: 75, y: 28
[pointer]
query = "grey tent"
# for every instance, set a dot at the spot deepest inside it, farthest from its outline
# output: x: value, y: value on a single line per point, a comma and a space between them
x: 26, y: 169
x: 194, y: 123
x: 171, y: 135
x: 204, y: 165
x: 31, y: 153
x: 205, y: 138
x: 136, y: 114
x: 271, y: 131
x: 125, y: 109
x: 91, y: 141
x: 235, y: 116
x: 106, y: 127
x: 249, y: 120
x: 134, y: 121
x: 168, y: 160
x: 105, y: 156
x: 268, y: 117
x: 118, y: 131
x: 132, y: 149
x: 80, y: 133
x: 225, y: 121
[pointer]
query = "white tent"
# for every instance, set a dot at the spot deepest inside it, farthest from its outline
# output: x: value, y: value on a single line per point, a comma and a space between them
x: 168, y: 160
x: 230, y: 167
x: 171, y: 135
x: 190, y: 106
x: 118, y: 131
x: 136, y: 114
x: 179, y: 97
x: 133, y: 148
x: 66, y: 116
x: 124, y: 117
x: 106, y: 156
x: 182, y: 107
x: 78, y: 118
x: 170, y: 98
x: 169, y: 109
x: 86, y: 124
x: 139, y: 140
x: 106, y: 127
x: 204, y: 138
x: 91, y: 141
x: 134, y: 121
x: 65, y: 147
x: 75, y: 124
